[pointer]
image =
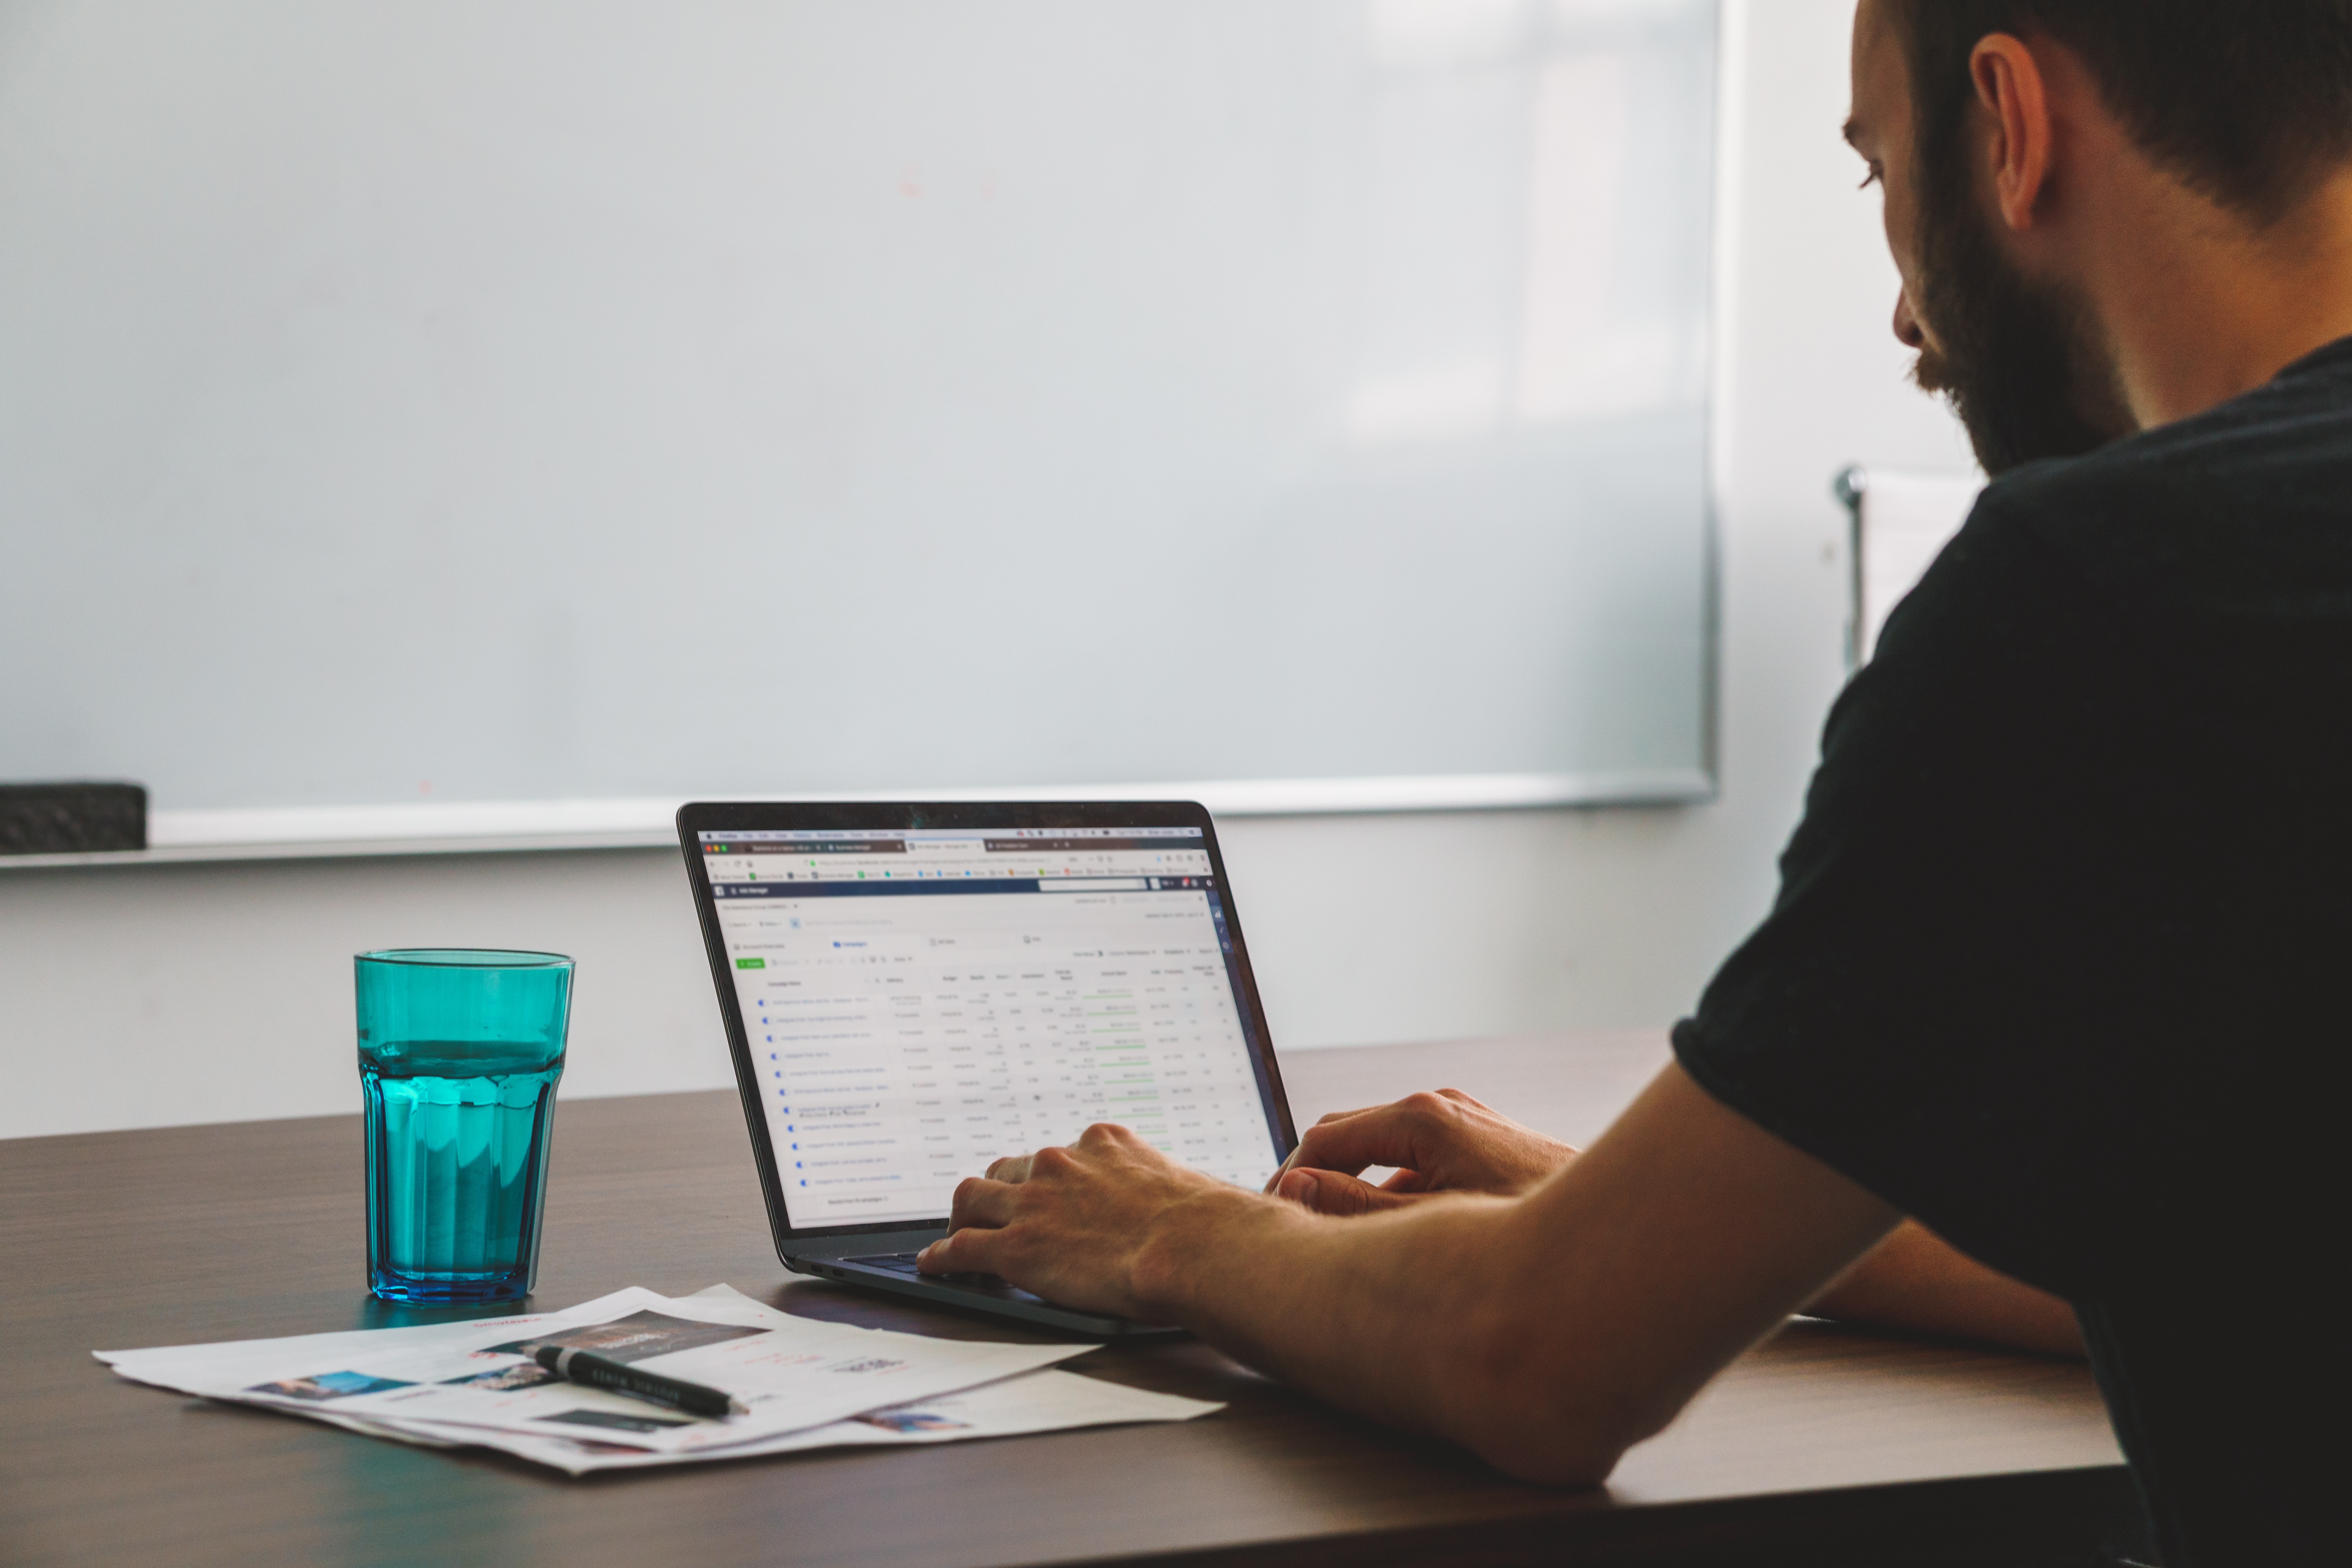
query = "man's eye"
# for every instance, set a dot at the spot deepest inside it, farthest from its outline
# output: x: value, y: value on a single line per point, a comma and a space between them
x: 1871, y: 178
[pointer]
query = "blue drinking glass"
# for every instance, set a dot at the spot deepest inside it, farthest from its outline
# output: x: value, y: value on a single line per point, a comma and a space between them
x: 459, y: 1051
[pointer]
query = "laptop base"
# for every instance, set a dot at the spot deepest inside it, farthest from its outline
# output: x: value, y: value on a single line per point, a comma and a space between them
x: 895, y: 1273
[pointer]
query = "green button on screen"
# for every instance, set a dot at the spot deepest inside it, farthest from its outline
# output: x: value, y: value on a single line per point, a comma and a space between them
x: 750, y: 964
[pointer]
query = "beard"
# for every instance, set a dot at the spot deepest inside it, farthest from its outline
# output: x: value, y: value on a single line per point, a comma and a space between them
x: 2021, y: 363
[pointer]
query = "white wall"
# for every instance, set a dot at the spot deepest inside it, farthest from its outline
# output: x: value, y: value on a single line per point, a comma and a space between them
x: 132, y: 997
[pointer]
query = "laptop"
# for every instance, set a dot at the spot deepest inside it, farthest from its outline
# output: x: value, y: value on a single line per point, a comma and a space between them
x: 912, y: 991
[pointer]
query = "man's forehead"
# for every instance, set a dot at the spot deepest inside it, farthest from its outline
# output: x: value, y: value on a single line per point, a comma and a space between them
x: 1872, y: 24
x: 1881, y: 77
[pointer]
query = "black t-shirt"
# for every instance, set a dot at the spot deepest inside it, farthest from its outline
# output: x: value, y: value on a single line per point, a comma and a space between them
x: 2061, y: 959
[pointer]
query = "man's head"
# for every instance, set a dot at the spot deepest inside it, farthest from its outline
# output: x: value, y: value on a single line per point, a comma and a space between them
x: 1994, y: 122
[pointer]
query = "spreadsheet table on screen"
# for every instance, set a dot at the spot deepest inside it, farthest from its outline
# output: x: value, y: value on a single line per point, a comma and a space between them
x: 920, y: 1002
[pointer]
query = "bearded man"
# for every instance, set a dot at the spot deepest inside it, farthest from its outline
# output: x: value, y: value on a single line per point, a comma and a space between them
x: 2035, y: 1043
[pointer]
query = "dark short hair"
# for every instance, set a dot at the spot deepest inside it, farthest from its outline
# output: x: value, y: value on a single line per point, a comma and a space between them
x: 2248, y: 102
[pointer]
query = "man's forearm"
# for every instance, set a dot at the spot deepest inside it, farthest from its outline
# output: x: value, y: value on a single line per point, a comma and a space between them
x: 1369, y: 1313
x: 1546, y: 1333
x: 1916, y: 1280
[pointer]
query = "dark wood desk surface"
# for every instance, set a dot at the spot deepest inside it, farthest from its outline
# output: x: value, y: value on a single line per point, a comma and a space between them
x: 1823, y: 1446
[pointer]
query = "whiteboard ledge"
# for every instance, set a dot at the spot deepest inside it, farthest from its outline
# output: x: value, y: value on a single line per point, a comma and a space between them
x: 478, y: 827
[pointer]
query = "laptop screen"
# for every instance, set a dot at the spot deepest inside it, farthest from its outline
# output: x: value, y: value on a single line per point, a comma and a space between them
x: 920, y: 1002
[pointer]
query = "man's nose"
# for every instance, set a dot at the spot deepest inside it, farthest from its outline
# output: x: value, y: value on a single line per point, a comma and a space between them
x: 1907, y: 325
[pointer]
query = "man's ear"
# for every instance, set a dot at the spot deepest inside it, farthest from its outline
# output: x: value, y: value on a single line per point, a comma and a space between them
x: 2012, y: 93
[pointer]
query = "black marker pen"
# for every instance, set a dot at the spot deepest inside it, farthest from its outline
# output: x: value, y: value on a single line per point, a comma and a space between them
x: 590, y: 1369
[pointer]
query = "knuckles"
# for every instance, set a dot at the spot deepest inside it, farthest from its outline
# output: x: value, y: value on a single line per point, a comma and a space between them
x: 1427, y: 1103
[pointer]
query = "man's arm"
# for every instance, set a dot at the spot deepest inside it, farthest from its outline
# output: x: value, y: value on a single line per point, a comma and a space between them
x: 1548, y: 1333
x: 1449, y: 1142
x: 1916, y: 1280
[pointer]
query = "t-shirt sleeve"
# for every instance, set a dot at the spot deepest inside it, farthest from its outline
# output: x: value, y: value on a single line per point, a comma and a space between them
x: 1902, y: 1013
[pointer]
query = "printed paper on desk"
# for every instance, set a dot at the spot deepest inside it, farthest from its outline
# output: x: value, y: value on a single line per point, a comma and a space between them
x: 795, y: 1373
x: 1047, y: 1401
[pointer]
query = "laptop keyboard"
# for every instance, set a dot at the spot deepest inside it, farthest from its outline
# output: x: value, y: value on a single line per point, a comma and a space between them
x: 987, y: 1285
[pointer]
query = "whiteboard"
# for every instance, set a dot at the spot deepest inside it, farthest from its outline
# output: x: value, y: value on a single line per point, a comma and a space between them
x: 508, y: 401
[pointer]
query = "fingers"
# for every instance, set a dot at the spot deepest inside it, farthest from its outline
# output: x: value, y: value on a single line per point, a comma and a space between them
x: 1331, y: 1193
x: 1344, y: 1115
x: 1395, y: 1134
x: 1015, y: 1169
x: 981, y: 1201
x: 1458, y: 1097
x: 964, y: 1252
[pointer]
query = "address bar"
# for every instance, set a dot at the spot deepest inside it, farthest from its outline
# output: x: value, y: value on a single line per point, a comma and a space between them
x: 1093, y: 885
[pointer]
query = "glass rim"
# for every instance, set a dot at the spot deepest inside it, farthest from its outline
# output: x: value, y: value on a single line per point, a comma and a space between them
x: 464, y: 958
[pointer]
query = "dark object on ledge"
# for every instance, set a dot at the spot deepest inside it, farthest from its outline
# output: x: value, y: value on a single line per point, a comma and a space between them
x: 71, y: 819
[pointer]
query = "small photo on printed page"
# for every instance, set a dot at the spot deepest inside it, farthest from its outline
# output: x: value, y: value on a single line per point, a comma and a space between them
x: 640, y: 1336
x: 326, y: 1386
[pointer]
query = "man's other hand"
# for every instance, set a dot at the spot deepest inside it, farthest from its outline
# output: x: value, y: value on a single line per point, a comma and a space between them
x: 1440, y: 1142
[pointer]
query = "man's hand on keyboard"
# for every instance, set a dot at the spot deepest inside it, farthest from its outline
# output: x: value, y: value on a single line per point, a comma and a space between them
x: 1090, y: 1225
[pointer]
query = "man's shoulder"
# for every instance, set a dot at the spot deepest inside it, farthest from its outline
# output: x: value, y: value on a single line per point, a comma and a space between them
x: 2248, y: 505
x: 2285, y: 446
x: 2251, y: 498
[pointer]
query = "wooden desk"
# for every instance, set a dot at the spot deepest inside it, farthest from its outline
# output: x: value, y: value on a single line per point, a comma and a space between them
x: 1821, y: 1446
